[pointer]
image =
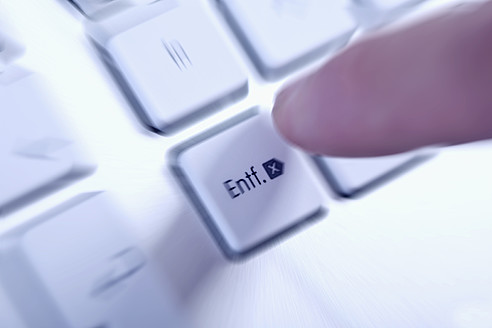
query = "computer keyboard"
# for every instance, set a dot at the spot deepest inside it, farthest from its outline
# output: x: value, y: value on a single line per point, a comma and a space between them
x: 170, y: 101
x: 38, y: 154
x: 74, y: 266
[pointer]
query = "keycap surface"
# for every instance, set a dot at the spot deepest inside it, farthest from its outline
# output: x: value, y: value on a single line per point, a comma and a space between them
x: 352, y: 176
x: 78, y: 266
x: 248, y: 184
x: 10, y: 50
x: 390, y: 4
x: 282, y: 34
x: 37, y: 152
x: 177, y: 65
x: 96, y: 9
x: 91, y: 7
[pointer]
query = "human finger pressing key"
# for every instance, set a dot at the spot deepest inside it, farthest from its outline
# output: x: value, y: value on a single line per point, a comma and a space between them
x: 428, y: 84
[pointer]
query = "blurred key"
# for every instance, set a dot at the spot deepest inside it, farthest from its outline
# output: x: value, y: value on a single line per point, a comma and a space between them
x: 351, y: 177
x: 96, y: 8
x: 253, y: 189
x: 174, y: 66
x: 36, y: 152
x: 9, y: 51
x: 387, y: 5
x: 21, y: 175
x: 281, y: 35
x: 91, y: 7
x: 77, y: 266
x: 377, y: 13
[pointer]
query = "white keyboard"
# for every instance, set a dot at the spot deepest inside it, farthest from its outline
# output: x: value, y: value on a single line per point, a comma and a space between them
x: 37, y: 153
x: 165, y: 106
x: 75, y: 267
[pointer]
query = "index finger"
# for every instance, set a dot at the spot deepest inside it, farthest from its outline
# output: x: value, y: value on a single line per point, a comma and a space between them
x: 424, y: 85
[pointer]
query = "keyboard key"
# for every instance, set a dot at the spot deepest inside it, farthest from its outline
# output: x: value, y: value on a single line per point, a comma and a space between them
x: 281, y: 35
x: 9, y: 51
x: 101, y: 8
x: 77, y: 266
x: 373, y: 14
x: 21, y: 175
x: 36, y: 153
x: 92, y: 7
x: 247, y: 183
x: 351, y: 177
x: 387, y: 5
x: 175, y: 63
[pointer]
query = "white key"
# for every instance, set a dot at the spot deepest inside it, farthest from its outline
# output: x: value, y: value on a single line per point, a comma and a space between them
x: 36, y: 152
x: 9, y: 51
x: 23, y: 175
x: 77, y: 266
x: 175, y: 62
x: 350, y: 177
x: 8, y: 314
x: 376, y: 13
x: 248, y: 184
x: 92, y: 7
x: 281, y: 34
x: 101, y: 8
x: 388, y: 5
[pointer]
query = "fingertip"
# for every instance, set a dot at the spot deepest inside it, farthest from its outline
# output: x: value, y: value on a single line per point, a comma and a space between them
x: 285, y: 113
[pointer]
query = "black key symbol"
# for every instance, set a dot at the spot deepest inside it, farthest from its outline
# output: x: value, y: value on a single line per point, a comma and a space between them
x: 273, y: 168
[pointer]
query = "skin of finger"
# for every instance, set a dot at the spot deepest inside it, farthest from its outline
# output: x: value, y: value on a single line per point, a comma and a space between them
x: 426, y: 84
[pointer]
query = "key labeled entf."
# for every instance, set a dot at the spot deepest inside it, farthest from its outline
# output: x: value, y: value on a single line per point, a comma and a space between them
x: 253, y: 179
x: 247, y: 183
